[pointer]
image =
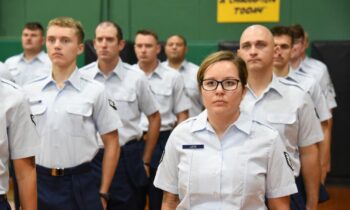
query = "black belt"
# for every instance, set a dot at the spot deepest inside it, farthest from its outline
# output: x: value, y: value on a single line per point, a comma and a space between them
x: 82, y: 168
x: 3, y: 198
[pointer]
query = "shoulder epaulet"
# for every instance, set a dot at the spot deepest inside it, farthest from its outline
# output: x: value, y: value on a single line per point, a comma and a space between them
x: 90, y: 65
x: 264, y: 124
x: 9, y: 83
x: 92, y: 81
x: 290, y: 83
x: 38, y: 79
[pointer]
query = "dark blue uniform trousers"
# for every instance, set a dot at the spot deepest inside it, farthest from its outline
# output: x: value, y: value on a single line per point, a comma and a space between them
x: 129, y: 179
x: 74, y: 190
x: 155, y: 194
x: 4, y: 205
x: 298, y: 200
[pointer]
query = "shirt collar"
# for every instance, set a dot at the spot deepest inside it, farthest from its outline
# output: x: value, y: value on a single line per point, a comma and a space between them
x: 182, y: 66
x: 40, y: 57
x: 243, y: 123
x: 73, y: 80
x: 118, y: 70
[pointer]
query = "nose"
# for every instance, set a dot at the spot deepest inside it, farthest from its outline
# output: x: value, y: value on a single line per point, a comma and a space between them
x: 220, y: 88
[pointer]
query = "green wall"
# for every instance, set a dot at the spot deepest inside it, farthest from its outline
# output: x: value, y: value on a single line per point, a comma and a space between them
x: 195, y: 19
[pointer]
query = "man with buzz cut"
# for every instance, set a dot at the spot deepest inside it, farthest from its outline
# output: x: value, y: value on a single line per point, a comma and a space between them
x: 288, y: 108
x: 69, y: 109
x: 175, y: 50
x: 33, y: 62
x: 130, y: 90
x: 168, y: 89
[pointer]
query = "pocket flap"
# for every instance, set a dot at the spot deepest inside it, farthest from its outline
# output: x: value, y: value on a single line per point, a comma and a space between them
x: 166, y: 91
x: 129, y: 97
x: 80, y: 109
x: 281, y: 118
x: 38, y: 109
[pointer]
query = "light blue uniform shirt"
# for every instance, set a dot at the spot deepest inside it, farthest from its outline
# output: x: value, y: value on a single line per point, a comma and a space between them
x: 309, y: 84
x: 69, y: 118
x: 130, y: 89
x: 235, y: 172
x: 4, y: 73
x: 18, y: 136
x: 319, y: 71
x: 189, y: 71
x: 24, y: 71
x: 168, y: 88
x: 290, y: 110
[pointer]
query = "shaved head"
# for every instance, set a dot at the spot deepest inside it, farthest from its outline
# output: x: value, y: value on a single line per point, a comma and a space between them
x: 256, y: 48
x: 259, y: 31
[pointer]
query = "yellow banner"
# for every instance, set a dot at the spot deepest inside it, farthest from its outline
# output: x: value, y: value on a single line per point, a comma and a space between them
x: 248, y: 11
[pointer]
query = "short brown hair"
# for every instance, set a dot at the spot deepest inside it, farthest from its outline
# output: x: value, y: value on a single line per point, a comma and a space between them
x: 33, y: 26
x: 297, y: 31
x: 115, y: 25
x: 223, y: 56
x: 282, y: 30
x: 148, y: 32
x: 178, y: 35
x: 69, y: 22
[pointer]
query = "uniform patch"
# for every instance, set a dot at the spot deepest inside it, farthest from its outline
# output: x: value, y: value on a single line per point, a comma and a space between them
x: 112, y: 104
x: 288, y: 160
x: 32, y: 118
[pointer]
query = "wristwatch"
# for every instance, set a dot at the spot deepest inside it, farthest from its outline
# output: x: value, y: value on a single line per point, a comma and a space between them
x: 105, y: 196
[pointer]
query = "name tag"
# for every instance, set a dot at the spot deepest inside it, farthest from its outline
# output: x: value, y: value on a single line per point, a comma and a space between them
x: 193, y: 146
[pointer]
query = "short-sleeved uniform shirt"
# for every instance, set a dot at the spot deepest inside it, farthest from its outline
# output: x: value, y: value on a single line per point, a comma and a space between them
x: 235, y: 172
x: 130, y: 90
x: 4, y: 73
x: 68, y: 119
x: 319, y: 71
x: 24, y: 71
x: 18, y: 136
x: 168, y: 88
x: 310, y: 85
x: 290, y: 110
x: 188, y: 72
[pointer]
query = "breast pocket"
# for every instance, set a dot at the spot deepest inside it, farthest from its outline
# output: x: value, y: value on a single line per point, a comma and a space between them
x: 163, y: 96
x: 285, y: 123
x: 79, y: 119
x: 126, y: 105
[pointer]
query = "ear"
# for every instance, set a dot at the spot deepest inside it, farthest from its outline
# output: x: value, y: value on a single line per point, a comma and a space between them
x: 80, y: 48
x: 94, y: 43
x: 158, y: 48
x: 121, y: 45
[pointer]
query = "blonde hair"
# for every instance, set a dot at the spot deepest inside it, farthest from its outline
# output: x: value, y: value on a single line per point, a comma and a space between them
x: 69, y: 22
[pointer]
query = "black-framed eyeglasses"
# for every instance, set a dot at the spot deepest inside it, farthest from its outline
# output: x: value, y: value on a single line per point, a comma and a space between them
x: 227, y: 84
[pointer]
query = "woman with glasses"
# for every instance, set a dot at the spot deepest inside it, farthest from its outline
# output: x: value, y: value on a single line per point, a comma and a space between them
x: 222, y: 159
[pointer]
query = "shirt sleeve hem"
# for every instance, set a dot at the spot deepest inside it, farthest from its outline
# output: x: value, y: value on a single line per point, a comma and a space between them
x: 24, y: 153
x: 282, y: 191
